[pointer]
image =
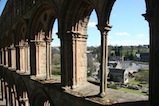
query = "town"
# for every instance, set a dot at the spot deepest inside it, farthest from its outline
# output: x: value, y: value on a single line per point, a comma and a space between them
x: 128, y: 67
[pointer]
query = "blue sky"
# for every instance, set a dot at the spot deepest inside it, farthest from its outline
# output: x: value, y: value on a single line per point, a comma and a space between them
x: 129, y: 26
x: 2, y: 4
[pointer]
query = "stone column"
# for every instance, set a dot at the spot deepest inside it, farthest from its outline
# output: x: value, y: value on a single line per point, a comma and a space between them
x: 16, y: 102
x: 27, y: 58
x: 152, y: 18
x: 12, y: 98
x: 38, y: 56
x: 104, y: 58
x: 24, y: 101
x: 7, y: 94
x: 6, y: 56
x: 3, y: 89
x: 13, y: 57
x: 48, y: 41
x: 74, y: 59
x: 22, y: 58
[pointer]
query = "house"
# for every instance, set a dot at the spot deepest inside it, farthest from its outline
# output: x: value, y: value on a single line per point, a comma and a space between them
x: 128, y: 65
x: 119, y: 70
x: 144, y: 57
x: 118, y: 75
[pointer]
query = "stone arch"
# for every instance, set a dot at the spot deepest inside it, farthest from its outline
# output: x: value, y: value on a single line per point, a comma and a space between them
x: 12, y: 90
x: 21, y: 44
x: 11, y: 46
x: 11, y: 37
x: 107, y: 8
x: 40, y: 98
x: 8, y: 88
x: 21, y: 31
x: 22, y: 92
x: 74, y: 36
x: 43, y: 18
x: 40, y: 39
x: 11, y: 80
x: 104, y: 27
x: 77, y: 14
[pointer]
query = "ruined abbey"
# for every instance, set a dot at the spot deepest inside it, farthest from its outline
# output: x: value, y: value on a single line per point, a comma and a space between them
x: 25, y: 52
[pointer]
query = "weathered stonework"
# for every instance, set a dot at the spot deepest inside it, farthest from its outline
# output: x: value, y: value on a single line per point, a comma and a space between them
x: 25, y: 43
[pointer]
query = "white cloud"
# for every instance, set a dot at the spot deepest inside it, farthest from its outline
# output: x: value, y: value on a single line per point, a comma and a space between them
x: 140, y: 35
x: 122, y: 34
x: 110, y: 37
x: 127, y: 42
x: 92, y: 24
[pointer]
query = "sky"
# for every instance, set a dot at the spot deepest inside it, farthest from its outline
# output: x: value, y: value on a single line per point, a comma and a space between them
x: 2, y: 4
x: 128, y: 25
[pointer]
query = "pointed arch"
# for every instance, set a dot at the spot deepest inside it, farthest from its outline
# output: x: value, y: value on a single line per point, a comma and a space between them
x: 40, y: 98
x: 77, y: 12
x: 21, y: 31
x: 43, y: 18
x: 22, y: 92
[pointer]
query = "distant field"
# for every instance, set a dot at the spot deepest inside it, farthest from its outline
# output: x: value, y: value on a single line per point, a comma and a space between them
x: 56, y: 69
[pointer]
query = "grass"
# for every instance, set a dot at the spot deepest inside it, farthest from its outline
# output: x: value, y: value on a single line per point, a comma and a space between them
x: 131, y: 91
x: 143, y: 83
x: 134, y: 82
x: 56, y: 69
x: 112, y: 86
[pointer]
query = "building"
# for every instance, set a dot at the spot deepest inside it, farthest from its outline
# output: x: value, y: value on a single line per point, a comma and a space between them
x: 118, y: 75
x: 127, y: 65
x: 25, y: 37
x: 144, y: 57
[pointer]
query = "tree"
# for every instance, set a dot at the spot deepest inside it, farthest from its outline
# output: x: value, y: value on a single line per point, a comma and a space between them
x: 90, y: 66
x: 56, y: 59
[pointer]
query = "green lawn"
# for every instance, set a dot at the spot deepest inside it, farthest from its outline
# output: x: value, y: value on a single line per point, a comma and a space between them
x: 131, y: 91
x: 143, y: 83
x: 134, y: 82
x: 56, y: 69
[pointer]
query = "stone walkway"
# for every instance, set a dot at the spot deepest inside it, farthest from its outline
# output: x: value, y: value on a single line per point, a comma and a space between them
x: 90, y: 92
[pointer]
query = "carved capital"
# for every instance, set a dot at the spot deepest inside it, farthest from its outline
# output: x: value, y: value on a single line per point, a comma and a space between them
x: 76, y: 35
x: 19, y: 46
x: 104, y: 29
x: 6, y: 48
x: 71, y: 35
x: 48, y: 40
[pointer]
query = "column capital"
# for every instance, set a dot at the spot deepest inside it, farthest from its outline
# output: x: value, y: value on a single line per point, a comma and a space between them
x: 19, y: 46
x: 37, y: 42
x: 12, y: 47
x: 147, y: 16
x: 6, y: 48
x: 48, y: 40
x: 104, y: 28
x: 72, y: 34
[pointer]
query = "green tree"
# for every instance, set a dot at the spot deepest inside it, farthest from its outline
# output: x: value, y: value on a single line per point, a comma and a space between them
x: 90, y: 66
x: 56, y: 59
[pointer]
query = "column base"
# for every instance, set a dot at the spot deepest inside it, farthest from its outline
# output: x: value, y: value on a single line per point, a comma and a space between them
x: 38, y: 77
x: 102, y: 95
